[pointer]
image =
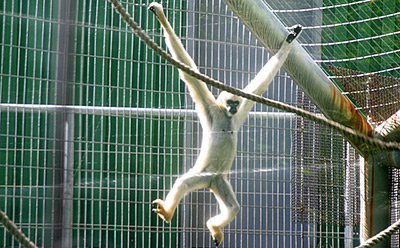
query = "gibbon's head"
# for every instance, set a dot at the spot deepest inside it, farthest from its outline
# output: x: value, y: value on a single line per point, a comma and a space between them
x: 230, y: 103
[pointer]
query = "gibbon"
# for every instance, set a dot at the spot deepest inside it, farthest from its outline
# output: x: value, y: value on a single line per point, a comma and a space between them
x: 220, y: 119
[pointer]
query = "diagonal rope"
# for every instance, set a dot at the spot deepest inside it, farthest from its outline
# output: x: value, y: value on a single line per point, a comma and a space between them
x: 385, y: 234
x: 14, y: 231
x: 372, y: 142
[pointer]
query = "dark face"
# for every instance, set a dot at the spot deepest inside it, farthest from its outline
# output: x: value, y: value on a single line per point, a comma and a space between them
x: 232, y: 106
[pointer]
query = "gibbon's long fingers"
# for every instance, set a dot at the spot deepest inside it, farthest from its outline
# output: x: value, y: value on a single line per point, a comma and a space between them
x: 157, y: 9
x: 294, y: 33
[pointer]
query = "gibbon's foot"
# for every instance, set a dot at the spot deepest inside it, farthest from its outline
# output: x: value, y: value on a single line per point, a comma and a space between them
x: 159, y: 209
x: 294, y: 33
x: 216, y: 233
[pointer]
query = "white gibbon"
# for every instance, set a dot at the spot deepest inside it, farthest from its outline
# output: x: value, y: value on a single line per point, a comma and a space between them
x: 220, y: 119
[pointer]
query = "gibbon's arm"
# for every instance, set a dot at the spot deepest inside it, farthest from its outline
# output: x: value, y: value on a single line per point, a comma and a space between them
x: 198, y: 90
x: 265, y: 76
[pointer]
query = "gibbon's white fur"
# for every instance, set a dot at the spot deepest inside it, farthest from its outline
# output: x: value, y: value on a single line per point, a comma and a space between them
x: 221, y: 119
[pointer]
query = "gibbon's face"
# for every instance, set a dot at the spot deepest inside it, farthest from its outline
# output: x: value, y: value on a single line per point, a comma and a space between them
x: 229, y: 102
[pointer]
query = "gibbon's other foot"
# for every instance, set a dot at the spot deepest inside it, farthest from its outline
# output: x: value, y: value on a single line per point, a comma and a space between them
x: 296, y: 30
x: 159, y: 209
x: 216, y: 233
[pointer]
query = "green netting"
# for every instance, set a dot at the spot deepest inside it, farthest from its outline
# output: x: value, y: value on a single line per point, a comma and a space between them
x: 117, y: 160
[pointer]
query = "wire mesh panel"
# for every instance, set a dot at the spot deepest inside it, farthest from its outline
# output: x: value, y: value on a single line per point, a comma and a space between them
x: 357, y: 46
x: 325, y: 182
x: 121, y: 158
x: 375, y: 94
x: 122, y: 161
x: 103, y: 200
x: 30, y: 171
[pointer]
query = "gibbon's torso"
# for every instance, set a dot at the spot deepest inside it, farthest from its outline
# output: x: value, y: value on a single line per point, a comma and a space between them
x: 218, y: 147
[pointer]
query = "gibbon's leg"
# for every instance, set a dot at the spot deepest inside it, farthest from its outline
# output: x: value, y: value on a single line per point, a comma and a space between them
x: 188, y: 182
x: 228, y: 205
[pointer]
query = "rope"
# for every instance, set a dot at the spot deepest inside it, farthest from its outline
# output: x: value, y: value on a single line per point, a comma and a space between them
x: 17, y: 233
x: 372, y: 142
x: 381, y: 236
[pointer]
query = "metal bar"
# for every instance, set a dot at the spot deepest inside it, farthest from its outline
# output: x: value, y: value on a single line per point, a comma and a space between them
x: 122, y: 111
x: 363, y: 200
x: 378, y: 202
x: 259, y: 19
x: 388, y: 128
x: 68, y: 180
x: 348, y: 230
x: 64, y: 155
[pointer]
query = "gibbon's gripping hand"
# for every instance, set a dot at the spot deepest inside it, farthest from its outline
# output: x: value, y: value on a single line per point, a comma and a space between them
x: 294, y: 33
x: 157, y: 9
